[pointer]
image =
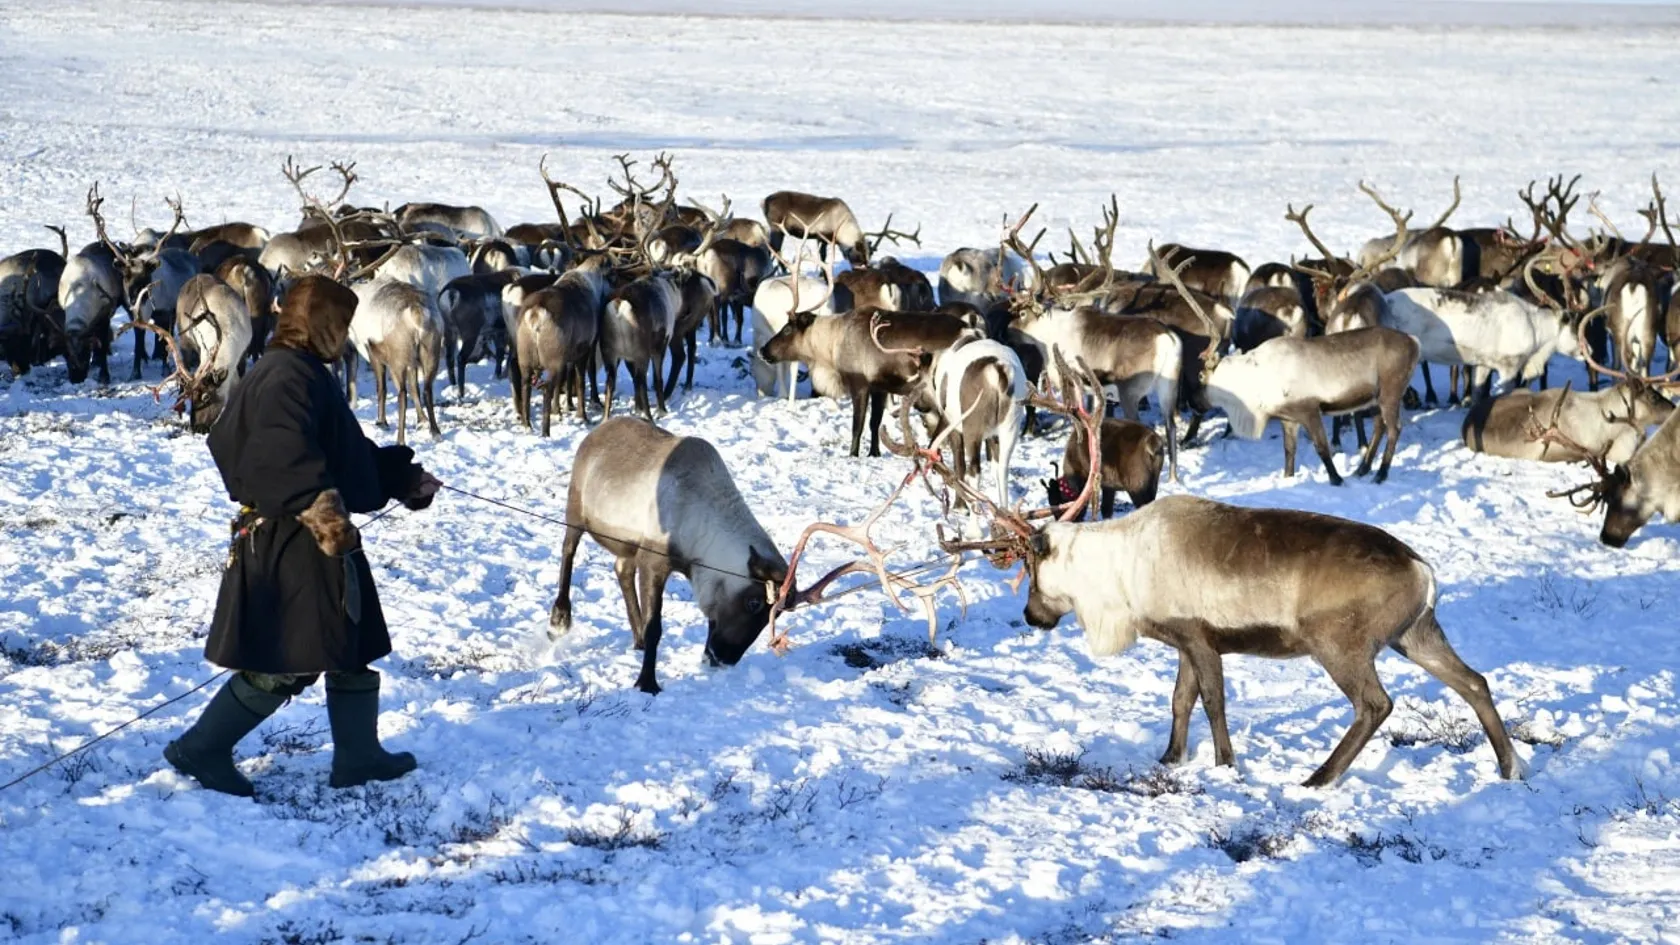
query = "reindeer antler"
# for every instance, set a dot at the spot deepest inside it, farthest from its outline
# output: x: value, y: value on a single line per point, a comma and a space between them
x: 1165, y: 269
x: 895, y: 586
x: 898, y: 237
x: 322, y: 210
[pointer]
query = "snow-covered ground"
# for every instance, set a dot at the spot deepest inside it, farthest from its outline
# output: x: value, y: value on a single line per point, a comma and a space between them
x: 862, y: 788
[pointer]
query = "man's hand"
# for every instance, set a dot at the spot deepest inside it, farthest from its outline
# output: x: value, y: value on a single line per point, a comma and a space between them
x: 421, y: 495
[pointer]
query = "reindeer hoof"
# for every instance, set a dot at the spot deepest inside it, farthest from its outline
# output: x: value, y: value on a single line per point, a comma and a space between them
x: 559, y: 621
x: 648, y: 686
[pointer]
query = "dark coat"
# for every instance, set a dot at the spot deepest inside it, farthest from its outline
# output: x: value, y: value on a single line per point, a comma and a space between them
x: 286, y: 436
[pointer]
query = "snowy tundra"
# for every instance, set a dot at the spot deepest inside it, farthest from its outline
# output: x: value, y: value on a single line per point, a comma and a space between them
x: 858, y: 789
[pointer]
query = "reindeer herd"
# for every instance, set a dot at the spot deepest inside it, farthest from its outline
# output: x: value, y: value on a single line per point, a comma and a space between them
x: 560, y: 307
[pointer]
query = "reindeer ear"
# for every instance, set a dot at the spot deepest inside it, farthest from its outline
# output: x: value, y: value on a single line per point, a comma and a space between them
x: 761, y: 568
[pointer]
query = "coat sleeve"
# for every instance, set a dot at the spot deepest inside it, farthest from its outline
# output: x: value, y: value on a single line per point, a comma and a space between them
x: 359, y: 467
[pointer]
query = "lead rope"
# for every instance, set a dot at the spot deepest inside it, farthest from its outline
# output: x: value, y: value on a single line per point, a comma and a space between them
x: 926, y: 566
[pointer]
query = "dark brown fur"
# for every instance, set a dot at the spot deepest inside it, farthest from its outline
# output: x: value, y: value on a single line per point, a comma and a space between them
x: 1131, y: 462
x: 328, y: 522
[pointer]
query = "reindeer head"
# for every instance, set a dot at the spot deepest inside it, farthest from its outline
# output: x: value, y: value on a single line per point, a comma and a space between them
x: 742, y: 610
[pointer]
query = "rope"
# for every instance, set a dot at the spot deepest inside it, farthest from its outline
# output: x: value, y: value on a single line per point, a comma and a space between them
x: 553, y: 520
x: 924, y: 567
x: 97, y: 739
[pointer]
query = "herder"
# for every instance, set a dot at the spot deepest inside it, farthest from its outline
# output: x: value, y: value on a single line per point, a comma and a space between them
x: 297, y: 598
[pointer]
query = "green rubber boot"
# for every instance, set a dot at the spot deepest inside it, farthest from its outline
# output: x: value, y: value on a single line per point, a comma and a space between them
x: 205, y: 751
x: 353, y: 712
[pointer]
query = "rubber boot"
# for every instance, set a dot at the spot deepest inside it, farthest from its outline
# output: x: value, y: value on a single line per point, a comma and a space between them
x: 353, y: 712
x: 205, y: 751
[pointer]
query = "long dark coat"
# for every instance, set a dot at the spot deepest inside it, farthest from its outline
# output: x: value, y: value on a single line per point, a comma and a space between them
x: 286, y: 436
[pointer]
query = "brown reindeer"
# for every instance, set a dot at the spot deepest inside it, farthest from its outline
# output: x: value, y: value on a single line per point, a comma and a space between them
x: 866, y: 353
x: 555, y: 336
x: 825, y: 219
x: 1131, y: 463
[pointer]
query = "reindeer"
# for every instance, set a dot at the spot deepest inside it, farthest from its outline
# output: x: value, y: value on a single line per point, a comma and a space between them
x: 825, y: 219
x: 158, y: 265
x: 89, y: 290
x: 513, y: 298
x: 28, y: 298
x: 1220, y: 274
x: 245, y: 236
x: 1609, y: 423
x: 1300, y: 380
x: 496, y: 255
x: 556, y: 334
x: 775, y: 304
x: 980, y: 391
x: 256, y: 289
x: 1208, y: 579
x: 1277, y: 275
x: 427, y: 268
x: 214, y: 331
x: 864, y: 355
x: 1648, y: 484
x: 1268, y: 312
x: 1634, y: 294
x: 699, y: 307
x: 1131, y: 463
x: 663, y: 504
x: 1356, y: 306
x: 1631, y: 493
x: 1497, y: 332
x: 979, y: 277
x: 737, y: 269
x: 472, y: 223
x: 398, y: 331
x: 1435, y: 256
x: 471, y: 307
x: 639, y: 322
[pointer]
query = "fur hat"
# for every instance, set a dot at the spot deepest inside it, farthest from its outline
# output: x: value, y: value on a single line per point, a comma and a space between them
x: 315, y: 317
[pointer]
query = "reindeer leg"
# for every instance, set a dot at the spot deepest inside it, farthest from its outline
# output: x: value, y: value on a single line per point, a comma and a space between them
x: 611, y: 366
x: 659, y: 382
x: 402, y: 379
x: 650, y: 582
x: 1424, y: 644
x: 1359, y: 428
x: 550, y: 391
x: 134, y: 373
x: 560, y: 615
x: 1172, y: 443
x: 1108, y: 506
x: 625, y: 568
x: 1210, y: 682
x: 576, y: 371
x: 693, y: 344
x: 1315, y: 433
x: 1429, y: 397
x: 1291, y: 432
x: 1356, y: 675
x: 1336, y: 424
x: 1185, y: 693
x: 1378, y: 426
x: 380, y: 376
x: 860, y: 405
x: 877, y: 410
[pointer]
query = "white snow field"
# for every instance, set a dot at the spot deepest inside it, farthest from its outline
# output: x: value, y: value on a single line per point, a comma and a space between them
x: 862, y: 788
